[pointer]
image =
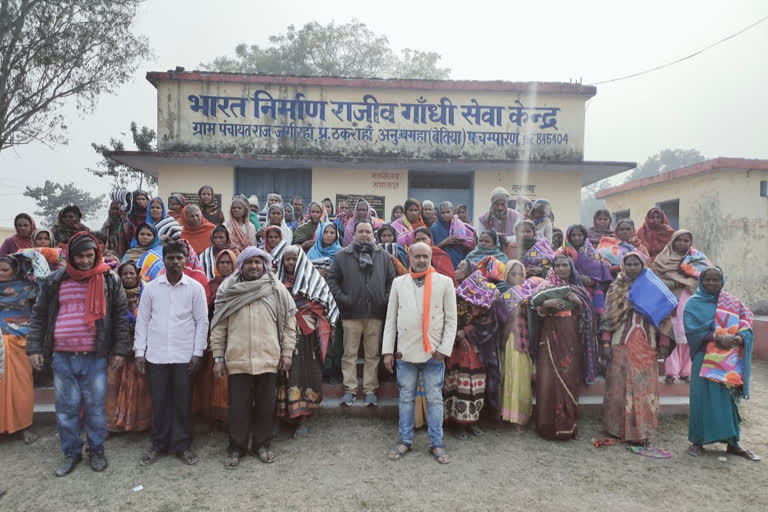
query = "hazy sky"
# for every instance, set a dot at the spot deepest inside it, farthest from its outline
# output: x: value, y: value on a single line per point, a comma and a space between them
x: 715, y: 102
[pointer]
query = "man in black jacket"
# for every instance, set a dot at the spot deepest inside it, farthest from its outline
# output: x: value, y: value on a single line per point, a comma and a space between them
x: 80, y: 318
x: 360, y: 278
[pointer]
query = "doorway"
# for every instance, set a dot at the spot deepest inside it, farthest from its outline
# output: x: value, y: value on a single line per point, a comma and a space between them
x: 437, y: 186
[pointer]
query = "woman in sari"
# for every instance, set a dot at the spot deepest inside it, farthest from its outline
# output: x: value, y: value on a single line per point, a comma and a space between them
x: 362, y: 211
x: 566, y: 349
x: 136, y: 215
x: 67, y: 225
x: 719, y: 330
x: 24, y: 226
x: 195, y: 228
x: 300, y: 392
x: 289, y: 217
x: 613, y: 249
x: 176, y: 204
x: 241, y: 231
x: 516, y: 388
x: 146, y: 240
x: 306, y: 234
x: 407, y: 224
x: 386, y: 238
x: 220, y: 240
x: 275, y: 218
x: 487, y: 245
x: 167, y: 227
x: 656, y: 232
x: 17, y: 394
x: 322, y: 253
x: 473, y: 367
x: 539, y: 214
x: 533, y: 252
x: 462, y: 213
x: 208, y: 205
x: 601, y: 226
x: 594, y: 270
x: 128, y: 403
x: 631, y: 401
x: 678, y: 266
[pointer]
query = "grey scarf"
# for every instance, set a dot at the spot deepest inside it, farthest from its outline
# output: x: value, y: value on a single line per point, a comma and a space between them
x: 364, y: 251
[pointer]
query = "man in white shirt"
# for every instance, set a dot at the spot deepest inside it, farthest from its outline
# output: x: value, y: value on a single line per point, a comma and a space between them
x: 421, y: 317
x: 171, y: 332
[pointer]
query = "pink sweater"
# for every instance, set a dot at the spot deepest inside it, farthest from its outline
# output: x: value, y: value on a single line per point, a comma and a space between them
x: 72, y: 334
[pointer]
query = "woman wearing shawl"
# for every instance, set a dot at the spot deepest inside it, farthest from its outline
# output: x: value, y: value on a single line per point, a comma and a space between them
x: 167, y: 227
x: 406, y: 225
x: 678, y: 266
x: 656, y: 232
x: 301, y: 390
x: 452, y: 235
x: 487, y: 245
x: 324, y: 249
x: 176, y: 204
x: 631, y: 402
x: 220, y: 240
x: 306, y: 233
x: 601, y: 226
x: 275, y: 218
x: 516, y: 388
x: 68, y: 224
x: 43, y: 238
x: 566, y: 352
x: 463, y: 214
x: 146, y: 240
x: 614, y: 249
x: 273, y: 238
x: 24, y: 226
x: 289, y: 216
x: 330, y: 211
x: 474, y: 361
x: 17, y: 394
x: 208, y: 205
x: 241, y: 231
x: 195, y: 228
x: 386, y: 238
x: 136, y: 215
x: 128, y: 402
x: 594, y: 270
x: 719, y: 330
x: 540, y: 214
x: 533, y: 252
x: 397, y: 212
x: 362, y: 211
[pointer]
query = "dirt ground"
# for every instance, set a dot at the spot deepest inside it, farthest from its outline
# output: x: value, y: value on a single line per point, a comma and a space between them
x: 342, y: 466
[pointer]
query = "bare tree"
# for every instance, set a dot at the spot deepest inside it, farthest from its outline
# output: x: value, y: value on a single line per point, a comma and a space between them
x: 125, y: 176
x: 53, y: 50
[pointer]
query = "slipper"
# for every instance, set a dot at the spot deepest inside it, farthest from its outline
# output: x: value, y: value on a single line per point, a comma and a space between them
x: 695, y: 450
x: 654, y: 453
x: 475, y: 430
x: 265, y: 456
x: 232, y: 461
x: 608, y: 441
x: 397, y: 453
x: 439, y: 454
x: 743, y: 452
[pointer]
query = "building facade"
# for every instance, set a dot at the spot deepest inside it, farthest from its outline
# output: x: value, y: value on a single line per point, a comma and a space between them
x: 385, y: 140
x: 723, y: 203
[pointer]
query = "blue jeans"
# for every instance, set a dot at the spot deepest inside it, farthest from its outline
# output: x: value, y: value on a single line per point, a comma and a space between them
x: 407, y: 377
x: 80, y: 379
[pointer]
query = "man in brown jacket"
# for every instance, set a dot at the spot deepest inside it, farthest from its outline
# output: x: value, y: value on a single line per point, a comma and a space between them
x: 253, y: 334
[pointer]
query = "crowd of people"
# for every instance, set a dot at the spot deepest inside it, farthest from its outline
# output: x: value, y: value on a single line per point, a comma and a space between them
x: 175, y: 310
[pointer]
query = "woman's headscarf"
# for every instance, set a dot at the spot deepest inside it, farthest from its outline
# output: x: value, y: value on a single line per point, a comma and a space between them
x: 655, y: 236
x: 540, y: 222
x: 392, y: 216
x: 617, y: 304
x: 318, y: 250
x: 62, y: 234
x: 588, y: 260
x: 479, y: 252
x: 241, y: 239
x: 210, y: 210
x: 293, y: 223
x: 138, y: 214
x: 672, y: 266
x: 594, y: 234
x: 349, y: 228
x: 132, y: 294
x: 137, y: 250
x: 198, y: 237
x: 38, y: 231
x: 287, y: 233
x: 181, y: 200
x: 232, y: 254
x: 405, y: 228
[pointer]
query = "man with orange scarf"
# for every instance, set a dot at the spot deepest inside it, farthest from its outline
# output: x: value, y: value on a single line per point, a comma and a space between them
x: 421, y: 317
x: 80, y: 319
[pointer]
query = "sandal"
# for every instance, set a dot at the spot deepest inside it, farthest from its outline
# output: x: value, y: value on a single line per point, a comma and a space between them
x: 398, y: 452
x: 695, y: 450
x: 232, y: 461
x: 475, y: 430
x: 301, y: 431
x: 265, y: 455
x: 440, y: 455
x: 743, y: 452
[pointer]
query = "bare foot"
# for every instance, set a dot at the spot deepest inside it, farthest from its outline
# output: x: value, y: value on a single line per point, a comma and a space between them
x: 30, y: 437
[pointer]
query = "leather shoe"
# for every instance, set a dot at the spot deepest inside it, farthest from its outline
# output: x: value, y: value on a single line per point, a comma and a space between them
x: 68, y: 464
x: 98, y: 462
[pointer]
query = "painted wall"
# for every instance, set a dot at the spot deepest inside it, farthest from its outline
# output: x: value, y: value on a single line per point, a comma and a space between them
x: 186, y: 178
x: 728, y: 219
x: 390, y: 183
x: 268, y: 119
x: 562, y: 190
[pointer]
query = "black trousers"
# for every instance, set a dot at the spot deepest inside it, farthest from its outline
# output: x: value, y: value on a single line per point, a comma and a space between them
x: 251, y: 402
x: 170, y: 386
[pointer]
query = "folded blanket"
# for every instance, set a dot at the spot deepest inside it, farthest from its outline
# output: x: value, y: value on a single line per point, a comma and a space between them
x: 651, y: 298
